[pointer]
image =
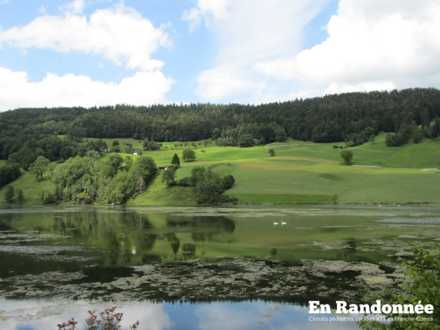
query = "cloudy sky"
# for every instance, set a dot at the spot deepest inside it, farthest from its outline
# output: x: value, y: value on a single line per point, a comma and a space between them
x: 100, y: 52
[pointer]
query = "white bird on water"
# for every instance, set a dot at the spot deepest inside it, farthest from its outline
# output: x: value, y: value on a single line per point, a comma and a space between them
x: 275, y: 223
x: 283, y: 223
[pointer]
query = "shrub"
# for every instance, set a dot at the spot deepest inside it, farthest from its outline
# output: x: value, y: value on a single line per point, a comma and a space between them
x: 228, y: 182
x: 246, y: 140
x: 151, y: 145
x: 271, y: 152
x: 189, y: 249
x: 39, y: 167
x: 188, y: 155
x: 347, y: 157
x: 169, y: 176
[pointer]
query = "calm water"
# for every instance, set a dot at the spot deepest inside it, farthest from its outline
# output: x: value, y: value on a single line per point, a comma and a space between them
x: 109, y: 243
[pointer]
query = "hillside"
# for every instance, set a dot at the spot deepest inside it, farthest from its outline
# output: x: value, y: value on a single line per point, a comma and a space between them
x: 300, y: 172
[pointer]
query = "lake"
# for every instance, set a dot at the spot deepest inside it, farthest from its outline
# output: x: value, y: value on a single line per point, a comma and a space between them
x: 194, y: 268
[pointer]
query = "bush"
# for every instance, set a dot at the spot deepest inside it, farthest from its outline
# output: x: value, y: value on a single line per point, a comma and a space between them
x: 228, y: 182
x: 188, y: 155
x: 347, y: 157
x: 403, y: 136
x: 151, y: 145
x: 169, y: 176
x: 421, y: 284
x: 246, y: 140
x: 271, y: 152
x: 115, y: 146
x: 209, y: 187
x: 418, y: 135
x: 39, y: 167
x: 48, y: 197
x: 189, y: 249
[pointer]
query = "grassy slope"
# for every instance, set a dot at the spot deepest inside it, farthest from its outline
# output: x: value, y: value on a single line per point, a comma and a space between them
x: 301, y: 172
x: 32, y: 189
x: 308, y: 172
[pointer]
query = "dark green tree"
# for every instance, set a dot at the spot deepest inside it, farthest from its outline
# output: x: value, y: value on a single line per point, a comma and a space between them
x: 228, y: 182
x: 188, y: 155
x: 151, y: 145
x: 175, y: 161
x: 347, y: 157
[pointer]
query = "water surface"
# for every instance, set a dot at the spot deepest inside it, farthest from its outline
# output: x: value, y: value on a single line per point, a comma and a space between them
x: 102, y: 245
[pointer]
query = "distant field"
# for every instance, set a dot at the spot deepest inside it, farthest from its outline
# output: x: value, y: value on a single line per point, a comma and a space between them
x: 305, y: 172
x: 300, y: 173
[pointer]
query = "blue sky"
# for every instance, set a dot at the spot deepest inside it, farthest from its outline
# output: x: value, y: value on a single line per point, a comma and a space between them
x: 96, y: 52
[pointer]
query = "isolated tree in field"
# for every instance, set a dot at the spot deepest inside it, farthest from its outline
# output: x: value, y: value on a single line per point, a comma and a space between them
x: 271, y: 152
x: 9, y: 194
x: 169, y: 176
x: 175, y: 161
x: 347, y: 157
x: 39, y: 167
x: 188, y: 155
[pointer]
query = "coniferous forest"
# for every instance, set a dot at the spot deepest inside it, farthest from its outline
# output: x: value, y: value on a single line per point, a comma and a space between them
x: 26, y: 134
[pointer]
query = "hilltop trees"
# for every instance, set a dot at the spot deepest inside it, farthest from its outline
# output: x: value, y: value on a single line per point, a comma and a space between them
x: 354, y: 117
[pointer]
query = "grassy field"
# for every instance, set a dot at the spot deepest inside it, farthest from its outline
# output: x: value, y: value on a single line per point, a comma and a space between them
x: 301, y: 173
x: 305, y: 172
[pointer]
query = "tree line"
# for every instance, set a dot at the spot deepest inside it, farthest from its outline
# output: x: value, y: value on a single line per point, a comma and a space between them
x: 355, y: 118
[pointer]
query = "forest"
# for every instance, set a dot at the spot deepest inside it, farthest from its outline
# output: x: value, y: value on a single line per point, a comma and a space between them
x: 59, y: 134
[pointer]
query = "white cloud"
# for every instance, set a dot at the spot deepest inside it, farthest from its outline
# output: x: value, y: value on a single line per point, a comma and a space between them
x: 371, y: 44
x: 119, y: 34
x: 75, y: 6
x: 249, y: 32
x: 206, y: 11
x: 16, y: 90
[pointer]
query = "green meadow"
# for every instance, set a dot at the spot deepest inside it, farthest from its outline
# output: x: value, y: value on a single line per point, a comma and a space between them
x: 299, y: 173
x: 305, y: 172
